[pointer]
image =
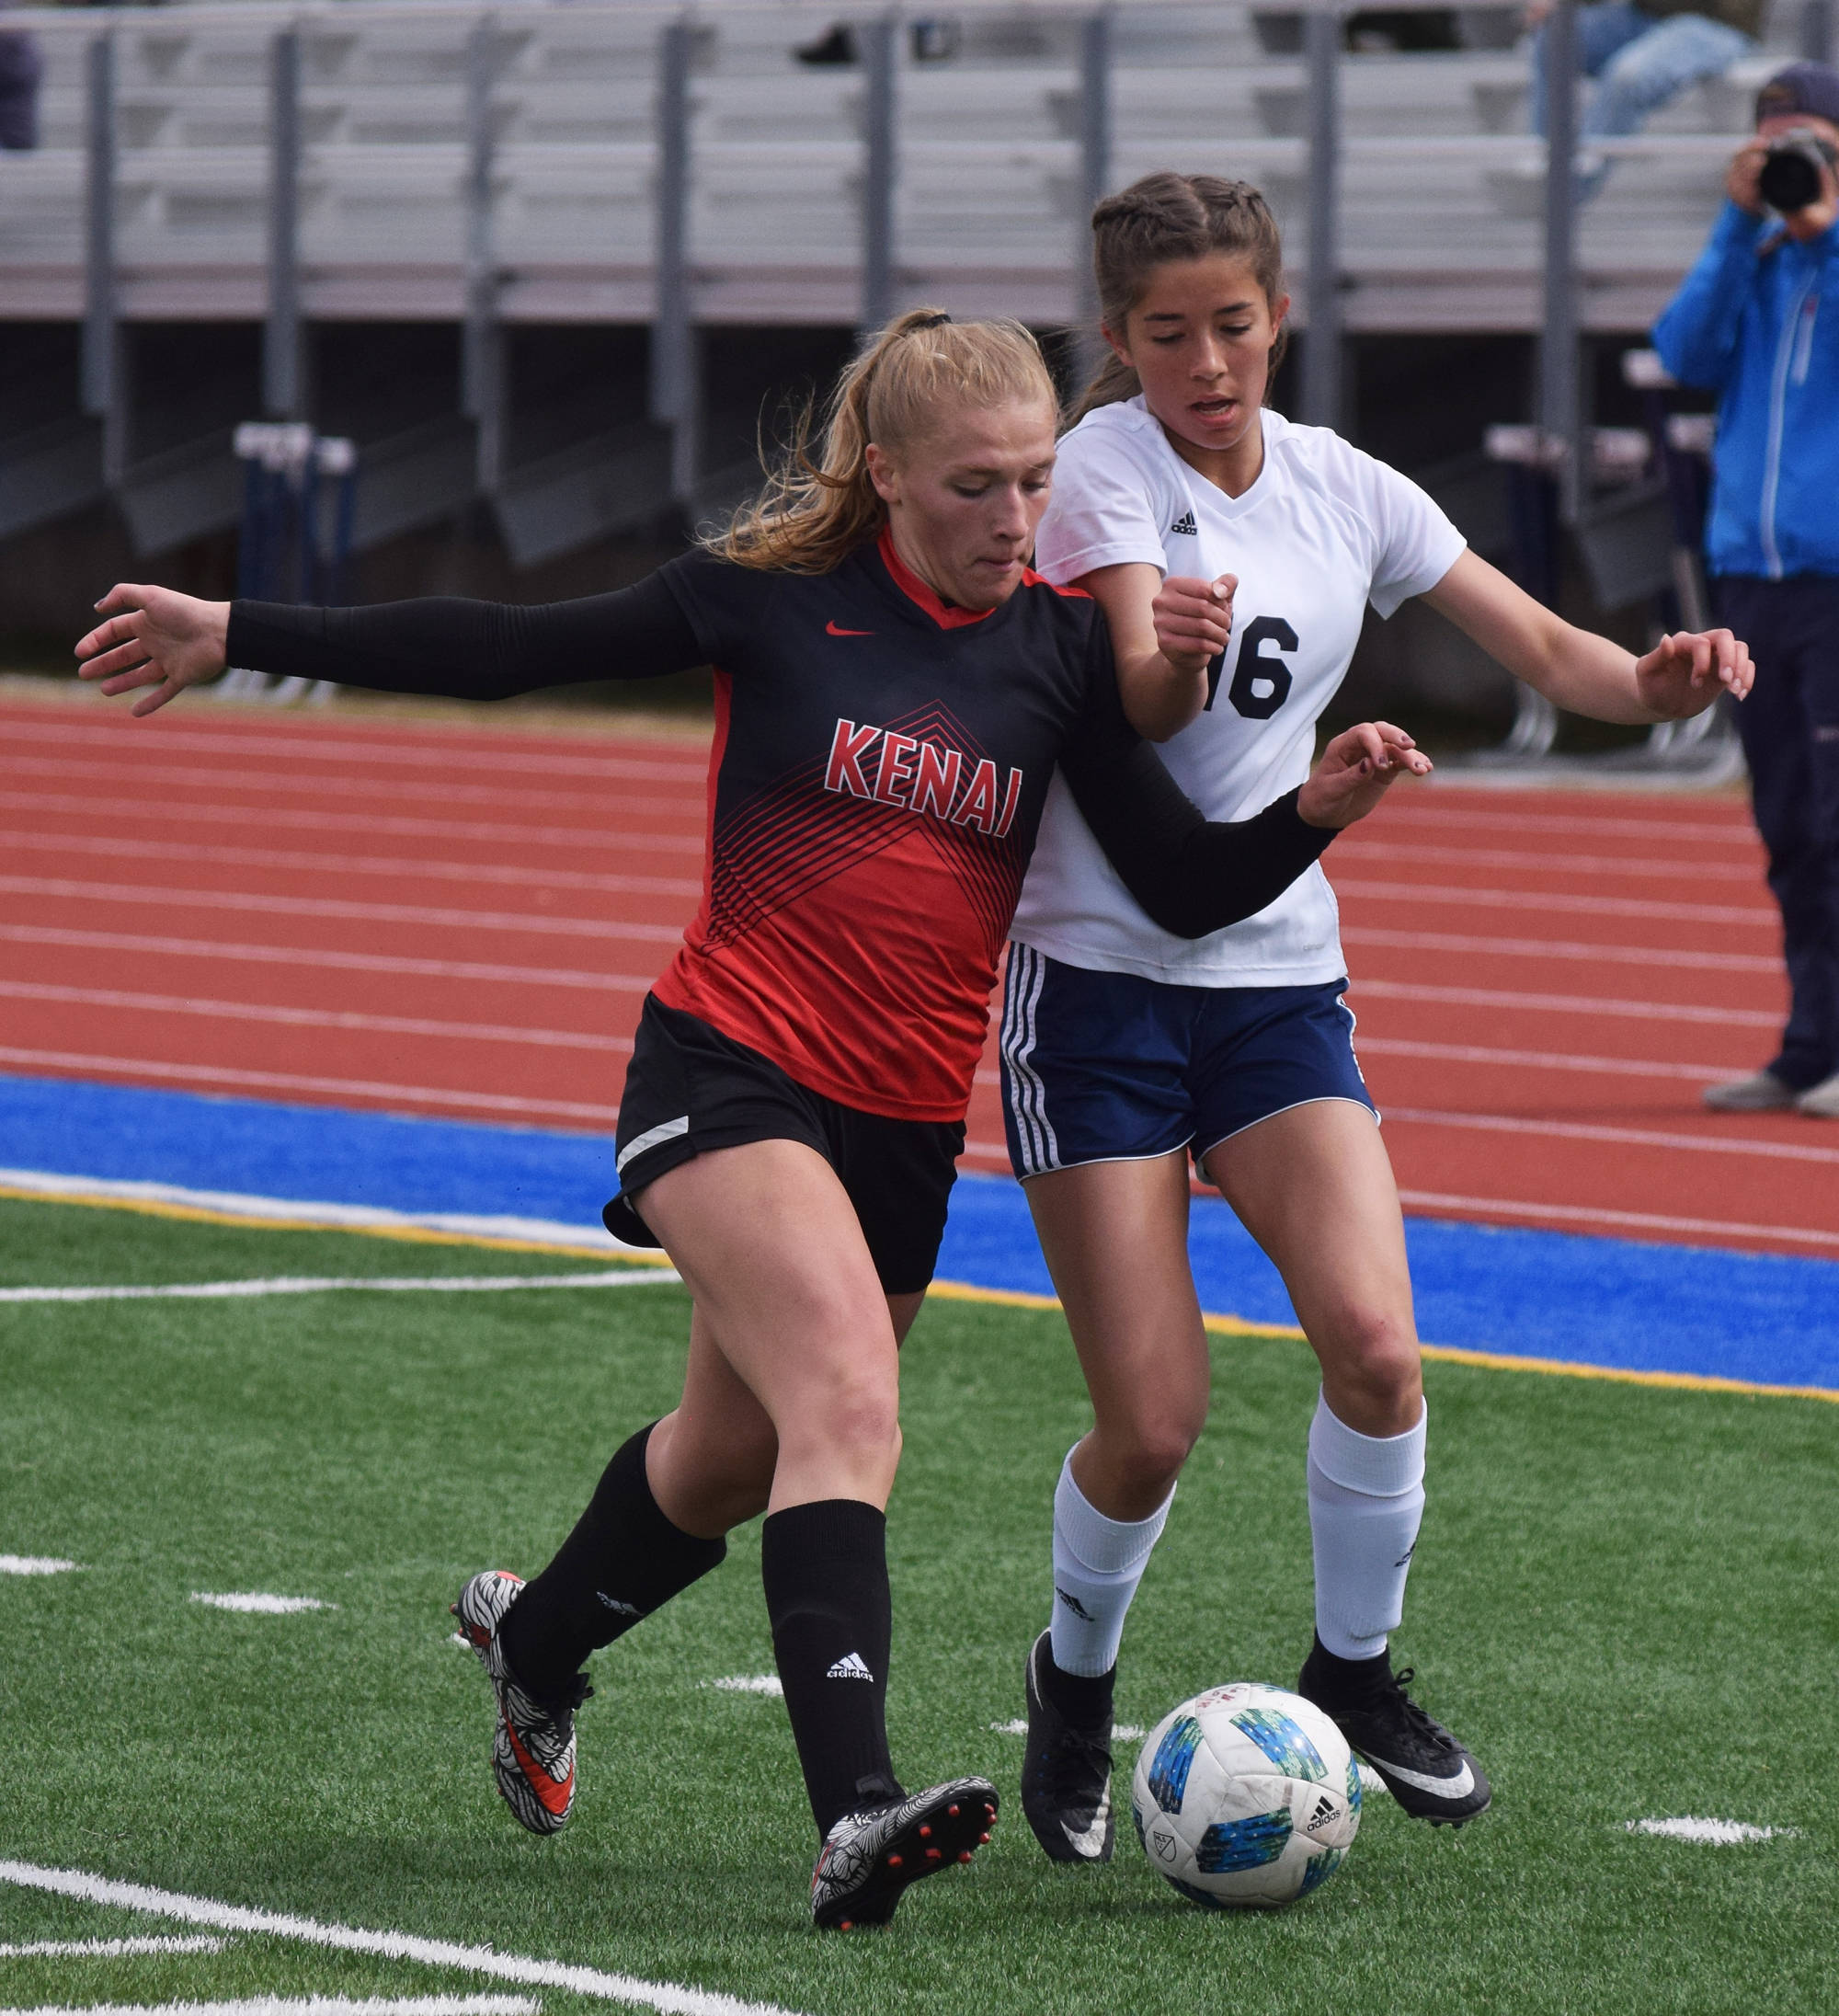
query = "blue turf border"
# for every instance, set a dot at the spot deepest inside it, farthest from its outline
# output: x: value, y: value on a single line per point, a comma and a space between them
x: 1766, y: 1317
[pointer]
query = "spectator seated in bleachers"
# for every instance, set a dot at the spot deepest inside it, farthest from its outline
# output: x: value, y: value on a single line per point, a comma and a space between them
x: 1642, y: 54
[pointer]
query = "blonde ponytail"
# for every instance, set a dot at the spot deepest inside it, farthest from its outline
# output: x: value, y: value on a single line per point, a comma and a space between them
x: 819, y: 503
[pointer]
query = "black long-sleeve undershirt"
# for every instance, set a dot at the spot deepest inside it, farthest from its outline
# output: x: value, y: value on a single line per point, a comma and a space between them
x: 1191, y: 876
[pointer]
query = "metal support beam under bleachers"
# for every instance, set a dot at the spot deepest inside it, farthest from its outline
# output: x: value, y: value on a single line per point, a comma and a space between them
x: 676, y: 373
x: 104, y: 364
x: 880, y: 47
x: 1321, y: 346
x: 283, y: 376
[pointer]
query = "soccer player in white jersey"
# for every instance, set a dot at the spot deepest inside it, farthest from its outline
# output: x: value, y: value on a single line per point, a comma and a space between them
x: 1235, y: 555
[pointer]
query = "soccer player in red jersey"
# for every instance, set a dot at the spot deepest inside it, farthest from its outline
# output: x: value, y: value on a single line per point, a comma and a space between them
x: 894, y: 690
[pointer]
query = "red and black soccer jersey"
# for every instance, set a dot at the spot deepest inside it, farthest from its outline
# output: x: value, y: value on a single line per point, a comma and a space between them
x: 875, y: 784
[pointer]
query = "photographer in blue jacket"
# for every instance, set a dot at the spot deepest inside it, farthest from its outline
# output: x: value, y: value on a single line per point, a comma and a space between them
x: 1757, y: 322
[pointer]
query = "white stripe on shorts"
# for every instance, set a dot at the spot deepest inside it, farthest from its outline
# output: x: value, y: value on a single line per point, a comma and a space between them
x: 652, y: 1137
x: 1027, y: 1094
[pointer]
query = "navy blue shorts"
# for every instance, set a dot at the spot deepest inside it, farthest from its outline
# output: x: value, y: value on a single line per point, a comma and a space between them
x: 1109, y: 1067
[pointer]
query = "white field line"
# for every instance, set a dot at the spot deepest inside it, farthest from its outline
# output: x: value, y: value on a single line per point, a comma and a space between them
x: 319, y: 747
x: 1474, y: 1053
x: 593, y: 1240
x: 664, y: 1996
x: 1713, y: 1833
x: 118, y: 849
x: 258, y: 1603
x: 1124, y: 1732
x: 1724, y: 1230
x: 370, y: 826
x: 305, y: 2005
x: 272, y: 784
x: 1566, y: 1004
x: 1569, y: 904
x: 1468, y: 945
x: 35, y: 1564
x: 1748, y: 872
x: 351, y: 1088
x: 325, y: 961
x: 457, y: 1284
x: 61, y: 890
x: 113, y: 1949
x: 1632, y: 1137
x: 750, y: 1683
x: 312, y: 1018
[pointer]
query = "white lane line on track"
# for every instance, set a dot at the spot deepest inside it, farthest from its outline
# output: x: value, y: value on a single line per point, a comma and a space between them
x: 1712, y: 1833
x: 1469, y: 946
x: 1736, y: 830
x: 349, y: 1088
x: 496, y: 921
x: 114, y: 848
x: 293, y: 783
x: 1748, y: 872
x: 594, y: 1240
x: 577, y: 839
x: 303, y: 2005
x: 113, y: 1949
x: 313, y: 1018
x: 1721, y: 1229
x: 1756, y: 915
x: 331, y: 961
x: 430, y: 1283
x: 319, y: 747
x: 663, y: 1996
x: 259, y: 1603
x: 35, y: 1564
x: 1632, y: 1137
x: 1473, y: 1053
x: 1566, y: 1005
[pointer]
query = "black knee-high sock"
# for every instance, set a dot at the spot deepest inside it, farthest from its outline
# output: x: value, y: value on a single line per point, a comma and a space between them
x: 624, y: 1560
x: 824, y: 1568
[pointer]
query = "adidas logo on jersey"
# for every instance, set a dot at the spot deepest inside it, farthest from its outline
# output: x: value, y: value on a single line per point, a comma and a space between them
x: 1184, y: 527
x: 850, y: 1668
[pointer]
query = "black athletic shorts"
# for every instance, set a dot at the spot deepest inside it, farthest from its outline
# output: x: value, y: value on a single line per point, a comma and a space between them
x: 690, y: 1089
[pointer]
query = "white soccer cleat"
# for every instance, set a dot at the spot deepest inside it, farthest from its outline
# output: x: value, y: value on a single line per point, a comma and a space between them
x: 1761, y: 1092
x: 533, y: 1746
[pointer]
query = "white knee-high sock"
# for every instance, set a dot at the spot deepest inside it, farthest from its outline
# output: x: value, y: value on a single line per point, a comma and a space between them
x: 1366, y: 1499
x: 1097, y: 1565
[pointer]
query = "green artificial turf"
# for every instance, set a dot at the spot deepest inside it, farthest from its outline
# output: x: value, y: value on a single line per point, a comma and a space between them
x: 1623, y: 1600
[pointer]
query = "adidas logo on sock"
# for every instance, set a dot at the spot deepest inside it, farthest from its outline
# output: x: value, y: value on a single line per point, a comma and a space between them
x: 614, y: 1603
x: 1073, y: 1604
x: 1184, y: 527
x: 850, y: 1668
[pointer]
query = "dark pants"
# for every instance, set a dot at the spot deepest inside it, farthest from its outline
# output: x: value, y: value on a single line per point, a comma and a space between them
x: 1790, y: 729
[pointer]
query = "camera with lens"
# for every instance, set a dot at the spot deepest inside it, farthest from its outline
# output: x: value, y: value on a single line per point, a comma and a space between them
x: 1789, y: 180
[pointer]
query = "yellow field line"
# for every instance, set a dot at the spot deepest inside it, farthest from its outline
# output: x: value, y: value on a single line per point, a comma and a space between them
x: 951, y: 1291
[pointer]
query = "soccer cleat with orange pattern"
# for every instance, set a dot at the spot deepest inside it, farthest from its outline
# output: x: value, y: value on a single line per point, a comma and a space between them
x: 533, y: 1746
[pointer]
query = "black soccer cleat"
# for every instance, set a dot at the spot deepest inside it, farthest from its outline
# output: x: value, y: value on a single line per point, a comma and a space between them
x: 868, y: 1859
x: 1425, y: 1768
x: 1066, y: 1775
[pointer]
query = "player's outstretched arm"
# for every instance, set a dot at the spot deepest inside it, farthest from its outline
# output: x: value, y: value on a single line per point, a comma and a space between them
x: 154, y: 641
x: 441, y: 645
x: 1580, y: 672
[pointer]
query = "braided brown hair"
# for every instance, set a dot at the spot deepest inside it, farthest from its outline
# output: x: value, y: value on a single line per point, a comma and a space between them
x: 1166, y: 217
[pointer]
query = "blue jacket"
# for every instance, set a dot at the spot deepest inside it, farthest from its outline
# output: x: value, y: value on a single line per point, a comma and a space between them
x: 1761, y: 329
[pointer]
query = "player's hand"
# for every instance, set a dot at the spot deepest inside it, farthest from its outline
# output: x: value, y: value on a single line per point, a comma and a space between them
x: 1194, y: 619
x: 1740, y: 178
x: 1355, y: 772
x: 156, y: 638
x: 1685, y: 673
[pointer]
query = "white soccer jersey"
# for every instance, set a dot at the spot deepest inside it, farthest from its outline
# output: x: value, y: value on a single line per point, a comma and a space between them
x: 1324, y: 530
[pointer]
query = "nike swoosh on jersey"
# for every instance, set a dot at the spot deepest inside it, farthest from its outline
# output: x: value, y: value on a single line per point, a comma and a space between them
x: 1089, y: 1842
x: 1458, y: 1787
x: 830, y: 630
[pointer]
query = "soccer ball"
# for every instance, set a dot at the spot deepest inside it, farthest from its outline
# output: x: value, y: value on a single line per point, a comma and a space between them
x: 1246, y: 1797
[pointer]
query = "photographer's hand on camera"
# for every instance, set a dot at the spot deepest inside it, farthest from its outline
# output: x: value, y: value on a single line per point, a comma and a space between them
x: 1813, y: 140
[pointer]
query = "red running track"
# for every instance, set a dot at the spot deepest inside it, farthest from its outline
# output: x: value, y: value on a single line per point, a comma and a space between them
x: 433, y: 917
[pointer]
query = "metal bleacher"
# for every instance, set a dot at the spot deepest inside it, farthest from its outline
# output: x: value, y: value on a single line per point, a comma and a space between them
x: 546, y: 163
